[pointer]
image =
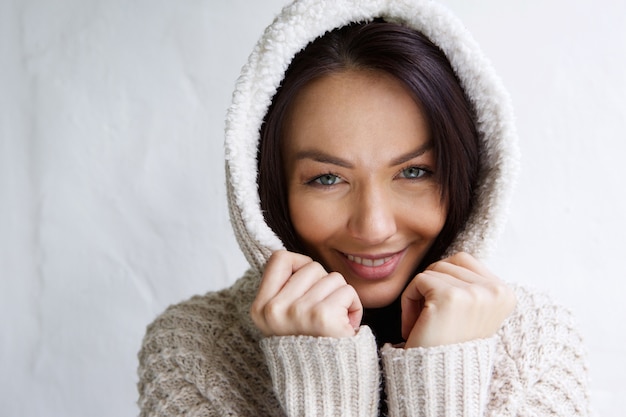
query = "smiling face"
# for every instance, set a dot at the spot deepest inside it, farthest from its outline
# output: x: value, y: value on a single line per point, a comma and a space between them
x: 362, y: 195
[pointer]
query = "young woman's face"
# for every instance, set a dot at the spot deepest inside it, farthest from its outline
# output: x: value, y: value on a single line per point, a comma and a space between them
x: 362, y: 194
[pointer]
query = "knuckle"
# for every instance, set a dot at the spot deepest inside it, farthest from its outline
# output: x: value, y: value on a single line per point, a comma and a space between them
x: 464, y: 256
x: 336, y: 277
x: 349, y: 288
x: 500, y: 291
x: 255, y: 309
x: 483, y: 294
x: 257, y: 316
x: 283, y: 255
x: 343, y: 291
x: 314, y: 268
x: 273, y: 310
x: 320, y: 317
x: 419, y: 277
x: 296, y: 310
x: 318, y: 268
x: 278, y: 255
x: 435, y: 267
x: 455, y: 295
x: 476, y: 293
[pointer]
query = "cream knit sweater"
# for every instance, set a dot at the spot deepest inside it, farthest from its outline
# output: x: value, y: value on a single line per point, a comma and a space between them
x: 204, y: 356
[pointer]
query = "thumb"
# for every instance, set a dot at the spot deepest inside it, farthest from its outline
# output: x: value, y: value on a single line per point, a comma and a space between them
x: 355, y: 310
x: 355, y: 315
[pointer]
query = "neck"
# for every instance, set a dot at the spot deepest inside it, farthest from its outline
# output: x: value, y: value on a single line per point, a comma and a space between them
x: 385, y: 323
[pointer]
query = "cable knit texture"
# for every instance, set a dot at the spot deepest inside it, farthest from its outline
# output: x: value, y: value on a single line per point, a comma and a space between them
x: 204, y: 356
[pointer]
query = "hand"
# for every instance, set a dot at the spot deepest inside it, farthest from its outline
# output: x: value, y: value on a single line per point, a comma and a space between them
x: 454, y: 300
x: 298, y: 297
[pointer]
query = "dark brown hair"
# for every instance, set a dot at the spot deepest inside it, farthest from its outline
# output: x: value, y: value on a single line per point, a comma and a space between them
x: 414, y: 60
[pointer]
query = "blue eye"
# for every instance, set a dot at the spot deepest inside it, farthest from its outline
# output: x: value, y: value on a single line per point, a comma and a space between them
x: 413, y: 173
x: 327, y: 179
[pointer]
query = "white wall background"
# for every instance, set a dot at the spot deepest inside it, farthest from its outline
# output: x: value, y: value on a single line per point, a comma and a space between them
x: 111, y: 178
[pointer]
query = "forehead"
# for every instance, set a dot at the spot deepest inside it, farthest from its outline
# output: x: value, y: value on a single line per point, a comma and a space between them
x: 352, y: 112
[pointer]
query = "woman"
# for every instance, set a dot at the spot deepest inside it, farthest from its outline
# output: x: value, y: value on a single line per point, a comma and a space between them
x: 384, y: 150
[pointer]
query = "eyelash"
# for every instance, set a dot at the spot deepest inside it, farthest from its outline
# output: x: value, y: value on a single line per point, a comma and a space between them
x: 425, y: 172
x: 316, y: 181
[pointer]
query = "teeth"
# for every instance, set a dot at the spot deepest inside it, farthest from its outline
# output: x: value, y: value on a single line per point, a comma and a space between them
x: 368, y: 261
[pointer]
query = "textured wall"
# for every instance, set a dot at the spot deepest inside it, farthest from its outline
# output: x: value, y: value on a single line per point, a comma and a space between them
x: 111, y: 178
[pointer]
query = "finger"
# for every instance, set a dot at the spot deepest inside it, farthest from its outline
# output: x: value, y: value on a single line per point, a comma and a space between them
x: 302, y: 281
x: 466, y: 260
x: 347, y: 311
x: 285, y: 307
x: 465, y: 267
x: 458, y: 272
x: 430, y: 282
x: 297, y: 302
x: 321, y: 289
x: 277, y: 272
x: 279, y: 268
x: 445, y: 293
x: 425, y: 286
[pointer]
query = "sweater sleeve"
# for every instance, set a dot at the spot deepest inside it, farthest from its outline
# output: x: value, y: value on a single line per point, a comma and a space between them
x: 542, y: 370
x: 442, y: 381
x: 165, y: 391
x: 534, y: 366
x: 318, y: 376
x: 198, y: 360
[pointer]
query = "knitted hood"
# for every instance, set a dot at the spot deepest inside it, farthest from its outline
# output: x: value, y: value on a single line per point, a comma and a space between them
x: 303, y: 21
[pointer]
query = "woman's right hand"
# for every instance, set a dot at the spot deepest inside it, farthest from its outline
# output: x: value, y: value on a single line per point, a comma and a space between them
x: 298, y: 297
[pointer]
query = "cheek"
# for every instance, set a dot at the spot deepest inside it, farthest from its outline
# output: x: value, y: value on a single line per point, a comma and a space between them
x: 425, y: 215
x: 436, y: 213
x: 313, y: 221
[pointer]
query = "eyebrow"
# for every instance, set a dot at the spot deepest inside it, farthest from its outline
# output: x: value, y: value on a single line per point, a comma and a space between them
x: 413, y: 154
x: 320, y: 156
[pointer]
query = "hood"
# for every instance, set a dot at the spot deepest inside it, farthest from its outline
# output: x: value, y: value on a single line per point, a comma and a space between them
x: 303, y: 21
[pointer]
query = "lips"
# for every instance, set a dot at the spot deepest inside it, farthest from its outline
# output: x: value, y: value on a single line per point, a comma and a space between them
x: 373, y: 266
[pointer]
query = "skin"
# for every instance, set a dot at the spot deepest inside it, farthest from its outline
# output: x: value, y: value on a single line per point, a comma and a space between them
x: 364, y: 200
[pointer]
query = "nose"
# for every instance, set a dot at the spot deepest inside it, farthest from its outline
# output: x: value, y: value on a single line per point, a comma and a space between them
x: 372, y: 219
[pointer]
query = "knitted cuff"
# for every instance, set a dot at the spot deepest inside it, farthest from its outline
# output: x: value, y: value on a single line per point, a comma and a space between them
x: 324, y: 376
x: 449, y: 380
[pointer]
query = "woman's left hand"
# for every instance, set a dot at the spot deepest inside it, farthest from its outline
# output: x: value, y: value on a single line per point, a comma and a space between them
x: 454, y: 300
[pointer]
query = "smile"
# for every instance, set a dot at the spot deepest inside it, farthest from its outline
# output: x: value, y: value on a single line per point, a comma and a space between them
x: 371, y: 262
x: 373, y: 267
